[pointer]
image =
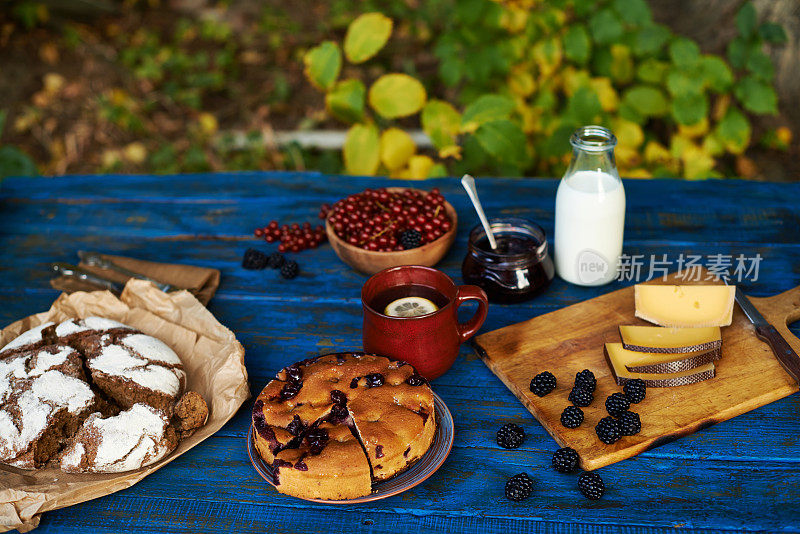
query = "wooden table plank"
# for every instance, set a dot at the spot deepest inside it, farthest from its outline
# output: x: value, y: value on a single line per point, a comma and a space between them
x: 741, y: 474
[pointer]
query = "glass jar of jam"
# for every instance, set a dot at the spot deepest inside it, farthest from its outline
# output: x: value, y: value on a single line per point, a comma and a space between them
x: 519, y: 269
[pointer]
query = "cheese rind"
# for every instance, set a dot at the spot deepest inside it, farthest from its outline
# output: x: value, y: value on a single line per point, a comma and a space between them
x: 617, y: 358
x: 670, y: 340
x: 685, y: 305
x: 660, y: 363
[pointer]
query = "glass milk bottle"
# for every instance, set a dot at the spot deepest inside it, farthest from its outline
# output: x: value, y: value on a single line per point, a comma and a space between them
x: 590, y: 211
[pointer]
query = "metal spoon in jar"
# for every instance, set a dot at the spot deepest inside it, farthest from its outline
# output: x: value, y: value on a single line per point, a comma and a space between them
x: 469, y: 184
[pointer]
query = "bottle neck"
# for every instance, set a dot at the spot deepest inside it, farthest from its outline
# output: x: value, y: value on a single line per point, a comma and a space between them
x: 592, y: 161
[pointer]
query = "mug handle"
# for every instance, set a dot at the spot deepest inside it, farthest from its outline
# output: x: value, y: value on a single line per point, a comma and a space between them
x: 465, y: 293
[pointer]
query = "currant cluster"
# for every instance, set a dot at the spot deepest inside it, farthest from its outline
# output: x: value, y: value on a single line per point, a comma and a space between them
x: 292, y: 237
x: 375, y: 219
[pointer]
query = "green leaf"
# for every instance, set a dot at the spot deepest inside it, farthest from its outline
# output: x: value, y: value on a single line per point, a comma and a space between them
x: 646, y: 101
x: 583, y: 7
x: 756, y: 96
x: 684, y: 52
x: 633, y: 12
x: 650, y: 40
x: 733, y: 131
x: 441, y: 122
x: 3, y: 114
x: 621, y: 64
x: 605, y: 27
x: 557, y: 144
x: 577, y: 46
x: 652, y: 71
x: 760, y: 65
x: 583, y: 107
x: 746, y: 20
x: 322, y: 64
x: 690, y: 108
x: 396, y: 95
x: 366, y: 35
x: 682, y: 83
x: 504, y: 140
x: 717, y: 73
x: 628, y: 112
x: 772, y: 33
x: 346, y: 100
x: 485, y: 109
x: 362, y: 150
x: 14, y: 162
x: 737, y: 52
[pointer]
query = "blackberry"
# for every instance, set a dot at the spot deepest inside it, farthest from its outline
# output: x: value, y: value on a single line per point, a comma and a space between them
x: 519, y: 487
x: 374, y: 380
x: 275, y: 260
x: 565, y: 460
x: 254, y: 260
x: 290, y: 269
x: 635, y: 390
x: 617, y: 403
x: 338, y: 413
x: 510, y: 436
x: 629, y: 423
x: 317, y: 438
x: 294, y: 373
x: 608, y: 430
x: 338, y: 397
x: 586, y: 380
x: 591, y: 485
x: 580, y: 397
x: 410, y: 239
x: 572, y: 417
x: 415, y: 380
x: 290, y: 390
x: 543, y: 383
x: 296, y: 427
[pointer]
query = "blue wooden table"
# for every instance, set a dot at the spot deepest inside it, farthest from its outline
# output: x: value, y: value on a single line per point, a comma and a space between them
x: 743, y: 474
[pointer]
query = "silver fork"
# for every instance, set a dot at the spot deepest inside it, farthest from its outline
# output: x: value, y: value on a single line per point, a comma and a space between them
x: 96, y: 260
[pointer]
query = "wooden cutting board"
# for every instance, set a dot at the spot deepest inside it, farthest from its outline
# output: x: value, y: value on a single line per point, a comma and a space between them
x: 571, y: 339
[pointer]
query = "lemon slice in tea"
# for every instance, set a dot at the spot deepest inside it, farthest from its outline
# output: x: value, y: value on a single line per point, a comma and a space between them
x: 410, y: 307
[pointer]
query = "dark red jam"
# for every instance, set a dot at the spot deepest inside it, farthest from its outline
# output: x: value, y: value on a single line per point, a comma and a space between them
x: 518, y: 269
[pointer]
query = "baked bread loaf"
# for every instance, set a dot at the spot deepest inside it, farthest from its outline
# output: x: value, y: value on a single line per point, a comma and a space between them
x: 332, y: 425
x: 92, y: 395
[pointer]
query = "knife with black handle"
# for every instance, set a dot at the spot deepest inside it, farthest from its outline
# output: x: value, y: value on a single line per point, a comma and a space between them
x: 787, y: 357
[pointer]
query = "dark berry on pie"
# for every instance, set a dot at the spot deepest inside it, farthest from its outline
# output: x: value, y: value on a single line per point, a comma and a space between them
x: 294, y: 373
x: 290, y: 390
x: 296, y: 427
x: 374, y: 380
x: 415, y: 380
x: 338, y: 397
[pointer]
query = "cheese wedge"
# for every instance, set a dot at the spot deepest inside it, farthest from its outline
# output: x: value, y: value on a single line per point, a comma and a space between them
x: 685, y: 306
x: 618, y: 358
x: 670, y: 340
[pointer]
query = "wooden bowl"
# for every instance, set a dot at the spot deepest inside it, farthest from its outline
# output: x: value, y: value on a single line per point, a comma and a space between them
x: 371, y: 262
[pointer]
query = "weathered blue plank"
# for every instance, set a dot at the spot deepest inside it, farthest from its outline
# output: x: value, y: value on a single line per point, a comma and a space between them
x: 741, y: 474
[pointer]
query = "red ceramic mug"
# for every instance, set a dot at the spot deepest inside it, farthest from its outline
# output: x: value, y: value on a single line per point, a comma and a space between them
x: 429, y: 342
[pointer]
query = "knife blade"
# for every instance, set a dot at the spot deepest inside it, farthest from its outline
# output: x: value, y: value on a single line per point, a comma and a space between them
x: 787, y: 357
x: 96, y: 260
x: 73, y: 271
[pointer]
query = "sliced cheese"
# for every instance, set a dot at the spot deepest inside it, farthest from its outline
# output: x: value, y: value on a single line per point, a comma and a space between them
x: 670, y: 340
x: 618, y: 358
x: 685, y: 306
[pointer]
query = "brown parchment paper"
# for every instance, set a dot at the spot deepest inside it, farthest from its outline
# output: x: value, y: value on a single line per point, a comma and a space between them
x: 214, y: 364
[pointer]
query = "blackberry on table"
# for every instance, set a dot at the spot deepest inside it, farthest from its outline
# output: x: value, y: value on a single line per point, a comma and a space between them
x: 543, y: 383
x: 565, y: 460
x: 635, y: 390
x: 629, y: 423
x: 608, y: 430
x: 290, y: 269
x: 254, y: 260
x: 591, y: 485
x: 510, y: 436
x: 617, y: 403
x: 572, y: 417
x: 275, y: 260
x: 580, y: 397
x: 410, y: 239
x: 586, y: 380
x: 519, y: 487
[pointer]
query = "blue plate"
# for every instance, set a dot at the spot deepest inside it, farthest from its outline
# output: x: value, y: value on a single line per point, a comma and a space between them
x: 416, y: 474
